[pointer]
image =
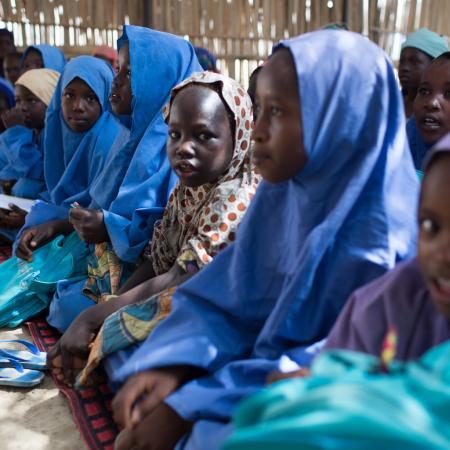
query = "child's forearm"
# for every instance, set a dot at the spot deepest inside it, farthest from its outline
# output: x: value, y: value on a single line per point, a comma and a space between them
x: 140, y: 292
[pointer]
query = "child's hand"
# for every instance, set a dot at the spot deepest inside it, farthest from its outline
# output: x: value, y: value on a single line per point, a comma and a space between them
x: 38, y: 236
x: 13, y: 218
x: 161, y: 430
x: 89, y: 225
x: 13, y: 117
x: 143, y: 392
x: 65, y: 358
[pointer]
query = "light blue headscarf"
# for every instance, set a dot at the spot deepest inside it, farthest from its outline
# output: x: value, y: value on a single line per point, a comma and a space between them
x: 305, y: 244
x: 72, y: 159
x: 159, y: 61
x: 426, y: 41
x: 53, y: 57
x: 23, y: 152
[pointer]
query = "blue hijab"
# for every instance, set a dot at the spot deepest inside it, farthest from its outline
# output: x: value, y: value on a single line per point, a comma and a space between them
x: 7, y: 89
x: 72, y: 159
x: 52, y: 57
x: 159, y: 61
x: 418, y: 147
x: 305, y: 244
x: 23, y: 151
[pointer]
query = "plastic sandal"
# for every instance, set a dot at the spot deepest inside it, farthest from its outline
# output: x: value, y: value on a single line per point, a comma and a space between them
x: 29, y: 359
x: 15, y: 375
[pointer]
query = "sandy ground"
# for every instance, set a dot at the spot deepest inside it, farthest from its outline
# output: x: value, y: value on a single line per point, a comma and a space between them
x: 37, y: 418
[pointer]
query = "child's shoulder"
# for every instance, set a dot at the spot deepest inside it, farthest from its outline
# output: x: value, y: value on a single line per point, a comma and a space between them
x: 403, y: 284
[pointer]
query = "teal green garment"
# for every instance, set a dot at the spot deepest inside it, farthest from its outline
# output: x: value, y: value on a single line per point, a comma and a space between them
x: 427, y: 41
x: 26, y: 288
x: 348, y: 403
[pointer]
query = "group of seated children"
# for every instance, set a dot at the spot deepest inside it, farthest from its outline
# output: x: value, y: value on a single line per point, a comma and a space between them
x: 224, y: 237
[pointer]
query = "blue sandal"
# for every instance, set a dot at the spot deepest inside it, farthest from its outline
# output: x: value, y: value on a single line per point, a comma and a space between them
x: 15, y: 375
x: 31, y: 358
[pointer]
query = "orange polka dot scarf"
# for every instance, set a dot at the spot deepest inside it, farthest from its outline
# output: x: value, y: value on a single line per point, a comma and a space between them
x: 199, y: 222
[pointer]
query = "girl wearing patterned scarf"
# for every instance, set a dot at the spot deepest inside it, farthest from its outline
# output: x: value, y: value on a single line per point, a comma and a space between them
x: 209, y: 118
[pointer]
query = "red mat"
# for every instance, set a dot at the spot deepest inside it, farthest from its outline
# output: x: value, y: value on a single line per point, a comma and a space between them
x: 5, y: 253
x: 91, y: 407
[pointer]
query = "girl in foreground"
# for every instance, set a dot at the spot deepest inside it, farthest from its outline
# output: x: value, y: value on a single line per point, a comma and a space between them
x: 397, y: 317
x: 336, y: 210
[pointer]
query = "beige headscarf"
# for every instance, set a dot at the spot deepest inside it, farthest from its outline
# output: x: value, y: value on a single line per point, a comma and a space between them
x: 41, y: 82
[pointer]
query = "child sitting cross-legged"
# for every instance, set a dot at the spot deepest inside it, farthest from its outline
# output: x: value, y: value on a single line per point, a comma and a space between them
x: 209, y: 119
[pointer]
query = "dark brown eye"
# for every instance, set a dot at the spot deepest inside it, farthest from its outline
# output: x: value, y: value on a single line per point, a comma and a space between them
x: 428, y: 226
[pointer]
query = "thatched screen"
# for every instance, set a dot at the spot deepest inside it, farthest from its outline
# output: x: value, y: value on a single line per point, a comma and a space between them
x: 240, y: 32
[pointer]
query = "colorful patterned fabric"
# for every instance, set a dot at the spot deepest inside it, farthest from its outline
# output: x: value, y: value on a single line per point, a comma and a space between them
x: 199, y: 222
x: 106, y: 273
x: 125, y: 327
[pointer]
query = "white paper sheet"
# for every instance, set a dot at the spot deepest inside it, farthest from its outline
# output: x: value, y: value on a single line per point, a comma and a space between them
x: 23, y: 203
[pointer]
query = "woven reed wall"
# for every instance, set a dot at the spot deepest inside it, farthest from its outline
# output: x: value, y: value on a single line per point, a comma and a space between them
x: 240, y: 33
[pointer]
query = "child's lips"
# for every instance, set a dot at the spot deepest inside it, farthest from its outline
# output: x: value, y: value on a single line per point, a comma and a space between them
x: 440, y: 289
x: 430, y: 123
x: 185, y: 167
x: 258, y: 157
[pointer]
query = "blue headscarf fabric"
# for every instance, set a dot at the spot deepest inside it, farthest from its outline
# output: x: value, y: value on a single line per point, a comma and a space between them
x: 23, y: 150
x: 7, y: 89
x: 52, y: 57
x: 418, y: 147
x: 305, y: 244
x: 73, y: 160
x: 159, y: 61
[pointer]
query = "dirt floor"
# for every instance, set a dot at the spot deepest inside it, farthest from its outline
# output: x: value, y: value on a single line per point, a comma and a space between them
x: 37, y: 418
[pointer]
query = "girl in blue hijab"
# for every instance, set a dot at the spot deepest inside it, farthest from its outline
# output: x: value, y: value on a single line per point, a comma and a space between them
x: 132, y: 191
x: 79, y: 133
x: 43, y: 56
x: 335, y: 211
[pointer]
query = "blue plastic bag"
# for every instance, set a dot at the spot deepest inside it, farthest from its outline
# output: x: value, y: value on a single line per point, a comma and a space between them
x: 26, y: 288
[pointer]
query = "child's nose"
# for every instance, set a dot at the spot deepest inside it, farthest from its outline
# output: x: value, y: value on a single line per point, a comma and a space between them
x: 433, y: 102
x: 78, y: 104
x: 444, y: 248
x: 260, y: 133
x: 186, y: 149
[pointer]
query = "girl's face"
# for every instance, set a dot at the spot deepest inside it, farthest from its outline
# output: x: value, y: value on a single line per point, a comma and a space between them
x: 411, y: 66
x: 80, y: 106
x: 434, y: 232
x: 200, y: 144
x: 278, y: 151
x: 120, y: 97
x: 32, y: 108
x: 4, y: 106
x: 33, y: 60
x: 432, y: 103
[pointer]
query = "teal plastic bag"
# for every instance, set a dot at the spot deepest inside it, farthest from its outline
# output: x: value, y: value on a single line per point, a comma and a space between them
x: 26, y: 288
x: 348, y: 404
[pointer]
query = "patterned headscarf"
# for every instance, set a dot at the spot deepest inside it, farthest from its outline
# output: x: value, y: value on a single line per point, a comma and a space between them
x: 200, y: 221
